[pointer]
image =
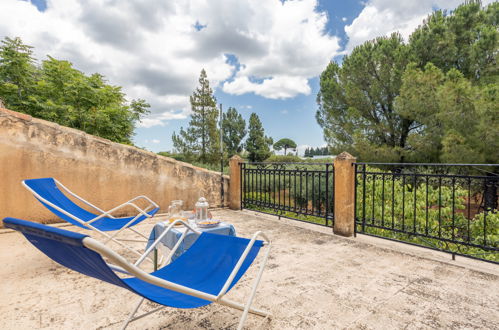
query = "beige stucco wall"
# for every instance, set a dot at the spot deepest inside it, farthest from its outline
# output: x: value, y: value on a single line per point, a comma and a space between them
x: 103, y: 172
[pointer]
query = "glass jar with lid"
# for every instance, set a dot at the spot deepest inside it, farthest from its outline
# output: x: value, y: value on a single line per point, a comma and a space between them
x: 201, y: 210
x: 175, y: 211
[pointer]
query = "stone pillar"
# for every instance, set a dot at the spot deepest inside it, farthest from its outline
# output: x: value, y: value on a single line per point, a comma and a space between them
x: 235, y: 182
x: 344, y: 194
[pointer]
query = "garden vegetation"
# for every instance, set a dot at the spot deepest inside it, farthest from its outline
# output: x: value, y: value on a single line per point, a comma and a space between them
x: 54, y: 90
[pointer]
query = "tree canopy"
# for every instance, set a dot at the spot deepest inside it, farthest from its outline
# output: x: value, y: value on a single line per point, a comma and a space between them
x: 58, y: 92
x: 466, y: 40
x: 285, y: 144
x: 458, y: 120
x: 356, y: 107
x: 432, y: 99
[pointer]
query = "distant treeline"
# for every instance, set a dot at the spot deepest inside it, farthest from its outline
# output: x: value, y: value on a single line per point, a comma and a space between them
x: 199, y: 143
x: 310, y: 152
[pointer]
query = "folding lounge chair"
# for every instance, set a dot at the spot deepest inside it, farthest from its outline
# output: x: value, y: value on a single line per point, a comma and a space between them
x: 200, y: 276
x: 47, y: 191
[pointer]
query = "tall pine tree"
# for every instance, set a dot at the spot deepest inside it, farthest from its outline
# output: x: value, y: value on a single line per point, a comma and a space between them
x: 201, y: 138
x: 234, y: 130
x: 257, y: 144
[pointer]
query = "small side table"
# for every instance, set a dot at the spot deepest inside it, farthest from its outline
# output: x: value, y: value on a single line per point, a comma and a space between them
x: 170, y: 239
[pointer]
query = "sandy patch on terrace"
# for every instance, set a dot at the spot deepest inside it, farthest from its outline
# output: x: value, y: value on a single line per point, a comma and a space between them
x: 313, y: 280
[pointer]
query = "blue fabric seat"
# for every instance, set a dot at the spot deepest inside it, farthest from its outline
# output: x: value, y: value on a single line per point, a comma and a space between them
x: 47, y: 189
x: 205, y: 267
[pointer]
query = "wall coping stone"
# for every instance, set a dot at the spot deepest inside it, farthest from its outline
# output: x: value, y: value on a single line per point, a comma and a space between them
x: 68, y: 130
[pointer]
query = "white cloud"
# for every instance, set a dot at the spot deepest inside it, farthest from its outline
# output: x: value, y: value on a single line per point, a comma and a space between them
x: 154, y: 141
x: 284, y: 112
x: 343, y: 19
x: 150, y: 122
x: 382, y: 17
x: 301, y: 149
x: 297, y: 48
x: 278, y: 87
x: 153, y: 49
x: 160, y: 119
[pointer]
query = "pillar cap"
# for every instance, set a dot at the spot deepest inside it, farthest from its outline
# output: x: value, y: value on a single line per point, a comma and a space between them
x: 236, y: 157
x: 345, y: 156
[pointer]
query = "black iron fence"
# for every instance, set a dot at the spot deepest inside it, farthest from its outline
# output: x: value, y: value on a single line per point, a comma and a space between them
x: 300, y: 191
x: 448, y: 207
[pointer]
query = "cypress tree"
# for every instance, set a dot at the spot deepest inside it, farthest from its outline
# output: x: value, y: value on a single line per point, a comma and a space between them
x: 257, y: 144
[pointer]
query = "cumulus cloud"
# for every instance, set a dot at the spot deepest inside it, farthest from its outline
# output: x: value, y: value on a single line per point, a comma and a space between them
x: 277, y: 87
x: 156, y: 49
x: 161, y: 119
x: 383, y: 17
x: 300, y: 51
x: 301, y: 149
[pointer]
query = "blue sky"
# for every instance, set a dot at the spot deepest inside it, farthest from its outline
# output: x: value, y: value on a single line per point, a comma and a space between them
x: 291, y: 118
x: 260, y: 56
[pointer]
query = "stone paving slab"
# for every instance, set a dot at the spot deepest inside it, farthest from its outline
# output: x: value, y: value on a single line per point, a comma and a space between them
x: 313, y: 280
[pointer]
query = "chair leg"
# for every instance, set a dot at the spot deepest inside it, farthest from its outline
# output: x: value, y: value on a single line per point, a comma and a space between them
x: 239, y: 306
x: 131, y: 240
x: 253, y: 291
x: 130, y: 317
x: 138, y: 233
x: 110, y: 238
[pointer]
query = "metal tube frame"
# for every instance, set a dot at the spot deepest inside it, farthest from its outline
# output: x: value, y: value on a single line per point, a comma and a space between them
x: 121, y: 264
x: 103, y: 213
x: 163, y: 234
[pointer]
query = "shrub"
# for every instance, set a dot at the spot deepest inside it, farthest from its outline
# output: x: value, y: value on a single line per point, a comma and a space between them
x: 284, y: 159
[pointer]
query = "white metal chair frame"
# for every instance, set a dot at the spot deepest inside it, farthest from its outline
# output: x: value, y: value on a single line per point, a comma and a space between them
x: 122, y: 265
x: 108, y: 213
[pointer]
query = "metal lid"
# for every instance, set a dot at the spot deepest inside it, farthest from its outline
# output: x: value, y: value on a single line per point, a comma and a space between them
x: 202, y: 202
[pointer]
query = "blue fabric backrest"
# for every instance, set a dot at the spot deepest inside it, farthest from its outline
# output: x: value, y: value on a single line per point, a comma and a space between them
x: 47, y: 189
x: 211, y: 260
x: 204, y: 267
x: 66, y: 248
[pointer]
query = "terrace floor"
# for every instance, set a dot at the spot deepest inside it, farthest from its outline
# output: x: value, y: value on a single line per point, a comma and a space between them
x: 313, y: 280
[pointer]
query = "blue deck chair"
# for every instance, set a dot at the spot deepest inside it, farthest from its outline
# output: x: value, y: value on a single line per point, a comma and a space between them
x: 200, y: 276
x: 48, y: 192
